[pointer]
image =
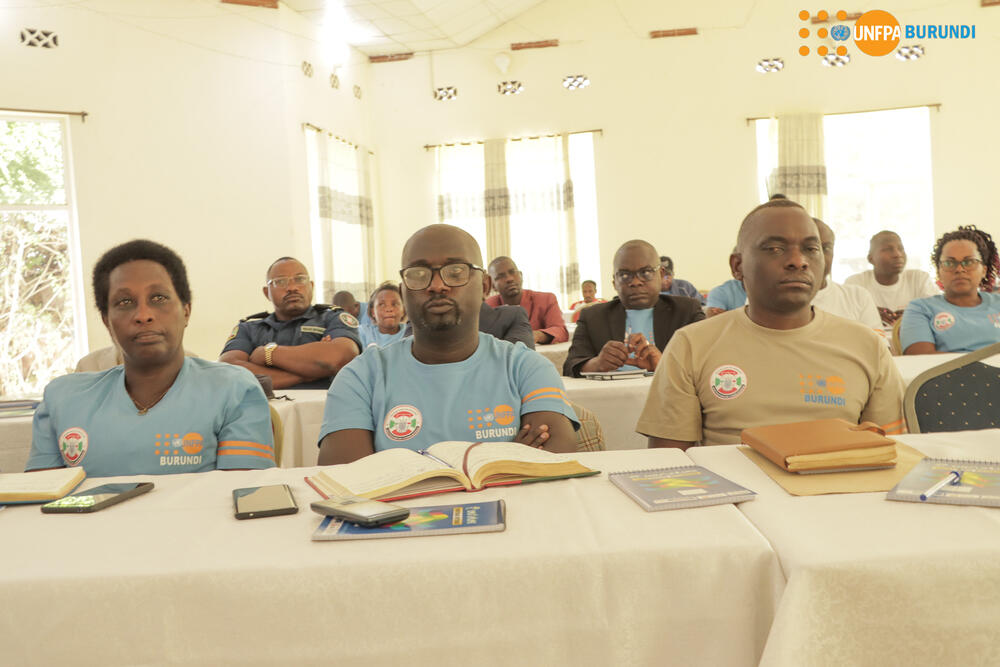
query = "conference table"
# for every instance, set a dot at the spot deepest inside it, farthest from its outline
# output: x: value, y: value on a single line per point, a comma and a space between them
x: 910, y: 366
x: 580, y: 576
x: 876, y: 582
x: 617, y: 404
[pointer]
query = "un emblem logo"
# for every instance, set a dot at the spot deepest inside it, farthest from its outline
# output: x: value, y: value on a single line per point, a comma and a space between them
x: 840, y: 33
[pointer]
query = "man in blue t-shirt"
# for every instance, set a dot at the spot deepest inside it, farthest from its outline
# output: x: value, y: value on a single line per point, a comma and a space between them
x: 299, y: 345
x: 448, y: 381
x: 630, y: 331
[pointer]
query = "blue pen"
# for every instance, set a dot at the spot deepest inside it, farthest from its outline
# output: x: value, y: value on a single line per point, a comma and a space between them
x: 953, y: 478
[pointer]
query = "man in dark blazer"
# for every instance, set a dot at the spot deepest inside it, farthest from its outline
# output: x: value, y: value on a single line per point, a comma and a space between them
x: 631, y: 330
x: 507, y: 323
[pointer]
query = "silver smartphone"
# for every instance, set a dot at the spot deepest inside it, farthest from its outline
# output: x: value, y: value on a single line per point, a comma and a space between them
x: 362, y: 511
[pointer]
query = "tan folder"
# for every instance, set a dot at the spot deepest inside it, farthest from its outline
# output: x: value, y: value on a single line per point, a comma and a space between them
x: 823, y: 445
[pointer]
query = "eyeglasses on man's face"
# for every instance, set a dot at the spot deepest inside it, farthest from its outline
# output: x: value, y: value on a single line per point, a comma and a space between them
x: 645, y: 274
x: 283, y: 282
x: 968, y: 263
x: 455, y: 274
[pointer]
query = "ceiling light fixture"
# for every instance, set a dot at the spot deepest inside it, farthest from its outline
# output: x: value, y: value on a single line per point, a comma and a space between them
x: 446, y: 93
x: 910, y: 52
x: 576, y: 82
x: 770, y: 65
x: 510, y: 87
x: 833, y: 60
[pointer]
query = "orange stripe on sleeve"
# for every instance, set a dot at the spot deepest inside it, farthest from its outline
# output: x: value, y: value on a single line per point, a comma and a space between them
x: 895, y: 426
x: 244, y: 448
x: 244, y: 452
x: 543, y: 390
x: 560, y: 396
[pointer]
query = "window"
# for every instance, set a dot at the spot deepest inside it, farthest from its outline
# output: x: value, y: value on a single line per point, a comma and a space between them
x: 42, y: 323
x: 878, y: 168
x: 533, y: 199
x: 340, y: 205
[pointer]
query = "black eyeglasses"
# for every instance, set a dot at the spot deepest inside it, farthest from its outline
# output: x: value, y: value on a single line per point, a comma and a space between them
x: 952, y: 264
x: 645, y: 274
x: 455, y: 274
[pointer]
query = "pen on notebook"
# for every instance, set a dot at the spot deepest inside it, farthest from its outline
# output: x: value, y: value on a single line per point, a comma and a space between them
x: 953, y: 478
x: 431, y: 456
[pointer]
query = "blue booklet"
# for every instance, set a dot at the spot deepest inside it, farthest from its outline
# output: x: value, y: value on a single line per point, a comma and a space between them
x: 680, y: 487
x: 978, y: 483
x: 486, y: 517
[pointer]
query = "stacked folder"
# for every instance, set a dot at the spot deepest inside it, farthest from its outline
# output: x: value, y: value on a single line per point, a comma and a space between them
x: 823, y: 445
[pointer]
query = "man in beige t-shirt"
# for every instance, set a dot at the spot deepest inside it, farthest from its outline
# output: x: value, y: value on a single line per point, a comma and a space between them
x: 777, y: 360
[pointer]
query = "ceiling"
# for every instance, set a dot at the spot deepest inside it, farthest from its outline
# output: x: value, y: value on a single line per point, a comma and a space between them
x: 377, y: 27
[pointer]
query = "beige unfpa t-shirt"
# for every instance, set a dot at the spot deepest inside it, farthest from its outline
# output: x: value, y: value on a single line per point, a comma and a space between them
x: 725, y: 374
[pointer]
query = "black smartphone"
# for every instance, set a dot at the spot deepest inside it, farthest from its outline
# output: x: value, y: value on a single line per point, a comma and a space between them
x: 97, y: 498
x: 362, y: 511
x: 259, y: 501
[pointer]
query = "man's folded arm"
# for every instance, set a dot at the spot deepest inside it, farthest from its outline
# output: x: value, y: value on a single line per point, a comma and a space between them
x: 315, y: 360
x: 280, y: 378
x: 345, y: 446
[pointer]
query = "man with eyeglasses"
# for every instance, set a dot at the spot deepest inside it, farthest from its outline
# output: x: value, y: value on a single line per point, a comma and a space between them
x: 546, y: 318
x: 448, y: 381
x: 777, y: 360
x: 631, y: 330
x: 299, y: 345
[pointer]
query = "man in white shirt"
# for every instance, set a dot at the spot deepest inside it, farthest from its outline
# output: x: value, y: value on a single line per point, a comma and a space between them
x: 850, y: 301
x: 890, y: 285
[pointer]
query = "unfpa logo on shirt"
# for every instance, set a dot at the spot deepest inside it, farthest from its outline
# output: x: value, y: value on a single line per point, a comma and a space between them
x: 484, y: 421
x: 175, y: 450
x: 822, y: 389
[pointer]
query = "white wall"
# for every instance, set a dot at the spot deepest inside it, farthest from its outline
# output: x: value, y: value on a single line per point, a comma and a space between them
x: 676, y: 163
x: 194, y: 136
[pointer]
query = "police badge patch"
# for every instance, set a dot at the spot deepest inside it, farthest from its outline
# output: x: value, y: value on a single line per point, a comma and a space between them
x: 73, y: 445
x: 233, y: 334
x: 349, y: 320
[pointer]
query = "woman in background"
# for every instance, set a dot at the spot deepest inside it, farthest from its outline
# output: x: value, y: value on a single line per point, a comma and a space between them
x: 386, y: 310
x: 967, y: 316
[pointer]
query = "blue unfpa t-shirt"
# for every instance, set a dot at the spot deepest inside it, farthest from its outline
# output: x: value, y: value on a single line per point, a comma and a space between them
x: 213, y: 416
x: 406, y: 403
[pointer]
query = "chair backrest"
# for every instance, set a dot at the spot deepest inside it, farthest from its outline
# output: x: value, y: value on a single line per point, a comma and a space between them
x: 278, y: 431
x: 590, y: 437
x: 959, y: 395
x: 894, y: 343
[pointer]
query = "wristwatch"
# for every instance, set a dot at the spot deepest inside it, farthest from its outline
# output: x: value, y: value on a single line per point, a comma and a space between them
x: 268, y: 351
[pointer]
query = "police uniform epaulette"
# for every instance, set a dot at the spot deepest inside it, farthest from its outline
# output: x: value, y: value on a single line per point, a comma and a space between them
x: 320, y: 307
x: 256, y: 316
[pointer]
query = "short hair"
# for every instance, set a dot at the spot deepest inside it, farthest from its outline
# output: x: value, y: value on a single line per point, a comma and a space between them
x: 984, y: 243
x: 342, y: 298
x: 667, y: 263
x: 588, y: 282
x: 132, y: 251
x: 387, y: 286
x: 777, y: 195
x: 783, y: 202
x: 877, y: 235
x: 280, y: 259
x: 497, y: 260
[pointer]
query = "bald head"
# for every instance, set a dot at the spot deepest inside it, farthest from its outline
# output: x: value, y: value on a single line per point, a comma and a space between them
x: 640, y: 249
x: 881, y: 238
x: 444, y: 236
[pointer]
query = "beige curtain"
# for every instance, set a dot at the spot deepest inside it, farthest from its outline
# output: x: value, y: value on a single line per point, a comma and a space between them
x: 801, y: 171
x: 497, y: 200
x: 342, y: 216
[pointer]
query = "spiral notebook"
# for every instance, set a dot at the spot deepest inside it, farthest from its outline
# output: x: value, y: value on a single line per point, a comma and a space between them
x: 677, y: 488
x: 979, y: 484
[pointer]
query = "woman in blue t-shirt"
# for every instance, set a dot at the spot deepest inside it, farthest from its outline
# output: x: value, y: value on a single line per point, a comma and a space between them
x: 967, y: 316
x: 386, y: 310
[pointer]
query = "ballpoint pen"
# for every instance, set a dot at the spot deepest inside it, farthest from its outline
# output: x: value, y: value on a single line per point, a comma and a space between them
x: 953, y: 478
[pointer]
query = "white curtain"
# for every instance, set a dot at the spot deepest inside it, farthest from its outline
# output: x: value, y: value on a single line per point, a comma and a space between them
x: 461, y: 185
x: 342, y: 219
x: 542, y: 225
x: 801, y: 171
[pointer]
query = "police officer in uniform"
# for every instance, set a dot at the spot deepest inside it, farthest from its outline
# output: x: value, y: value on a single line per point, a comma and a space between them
x: 299, y: 345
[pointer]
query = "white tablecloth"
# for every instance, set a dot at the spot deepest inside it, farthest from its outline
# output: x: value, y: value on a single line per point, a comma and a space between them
x: 910, y: 366
x: 555, y: 353
x: 581, y: 576
x: 874, y: 582
x: 15, y: 443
